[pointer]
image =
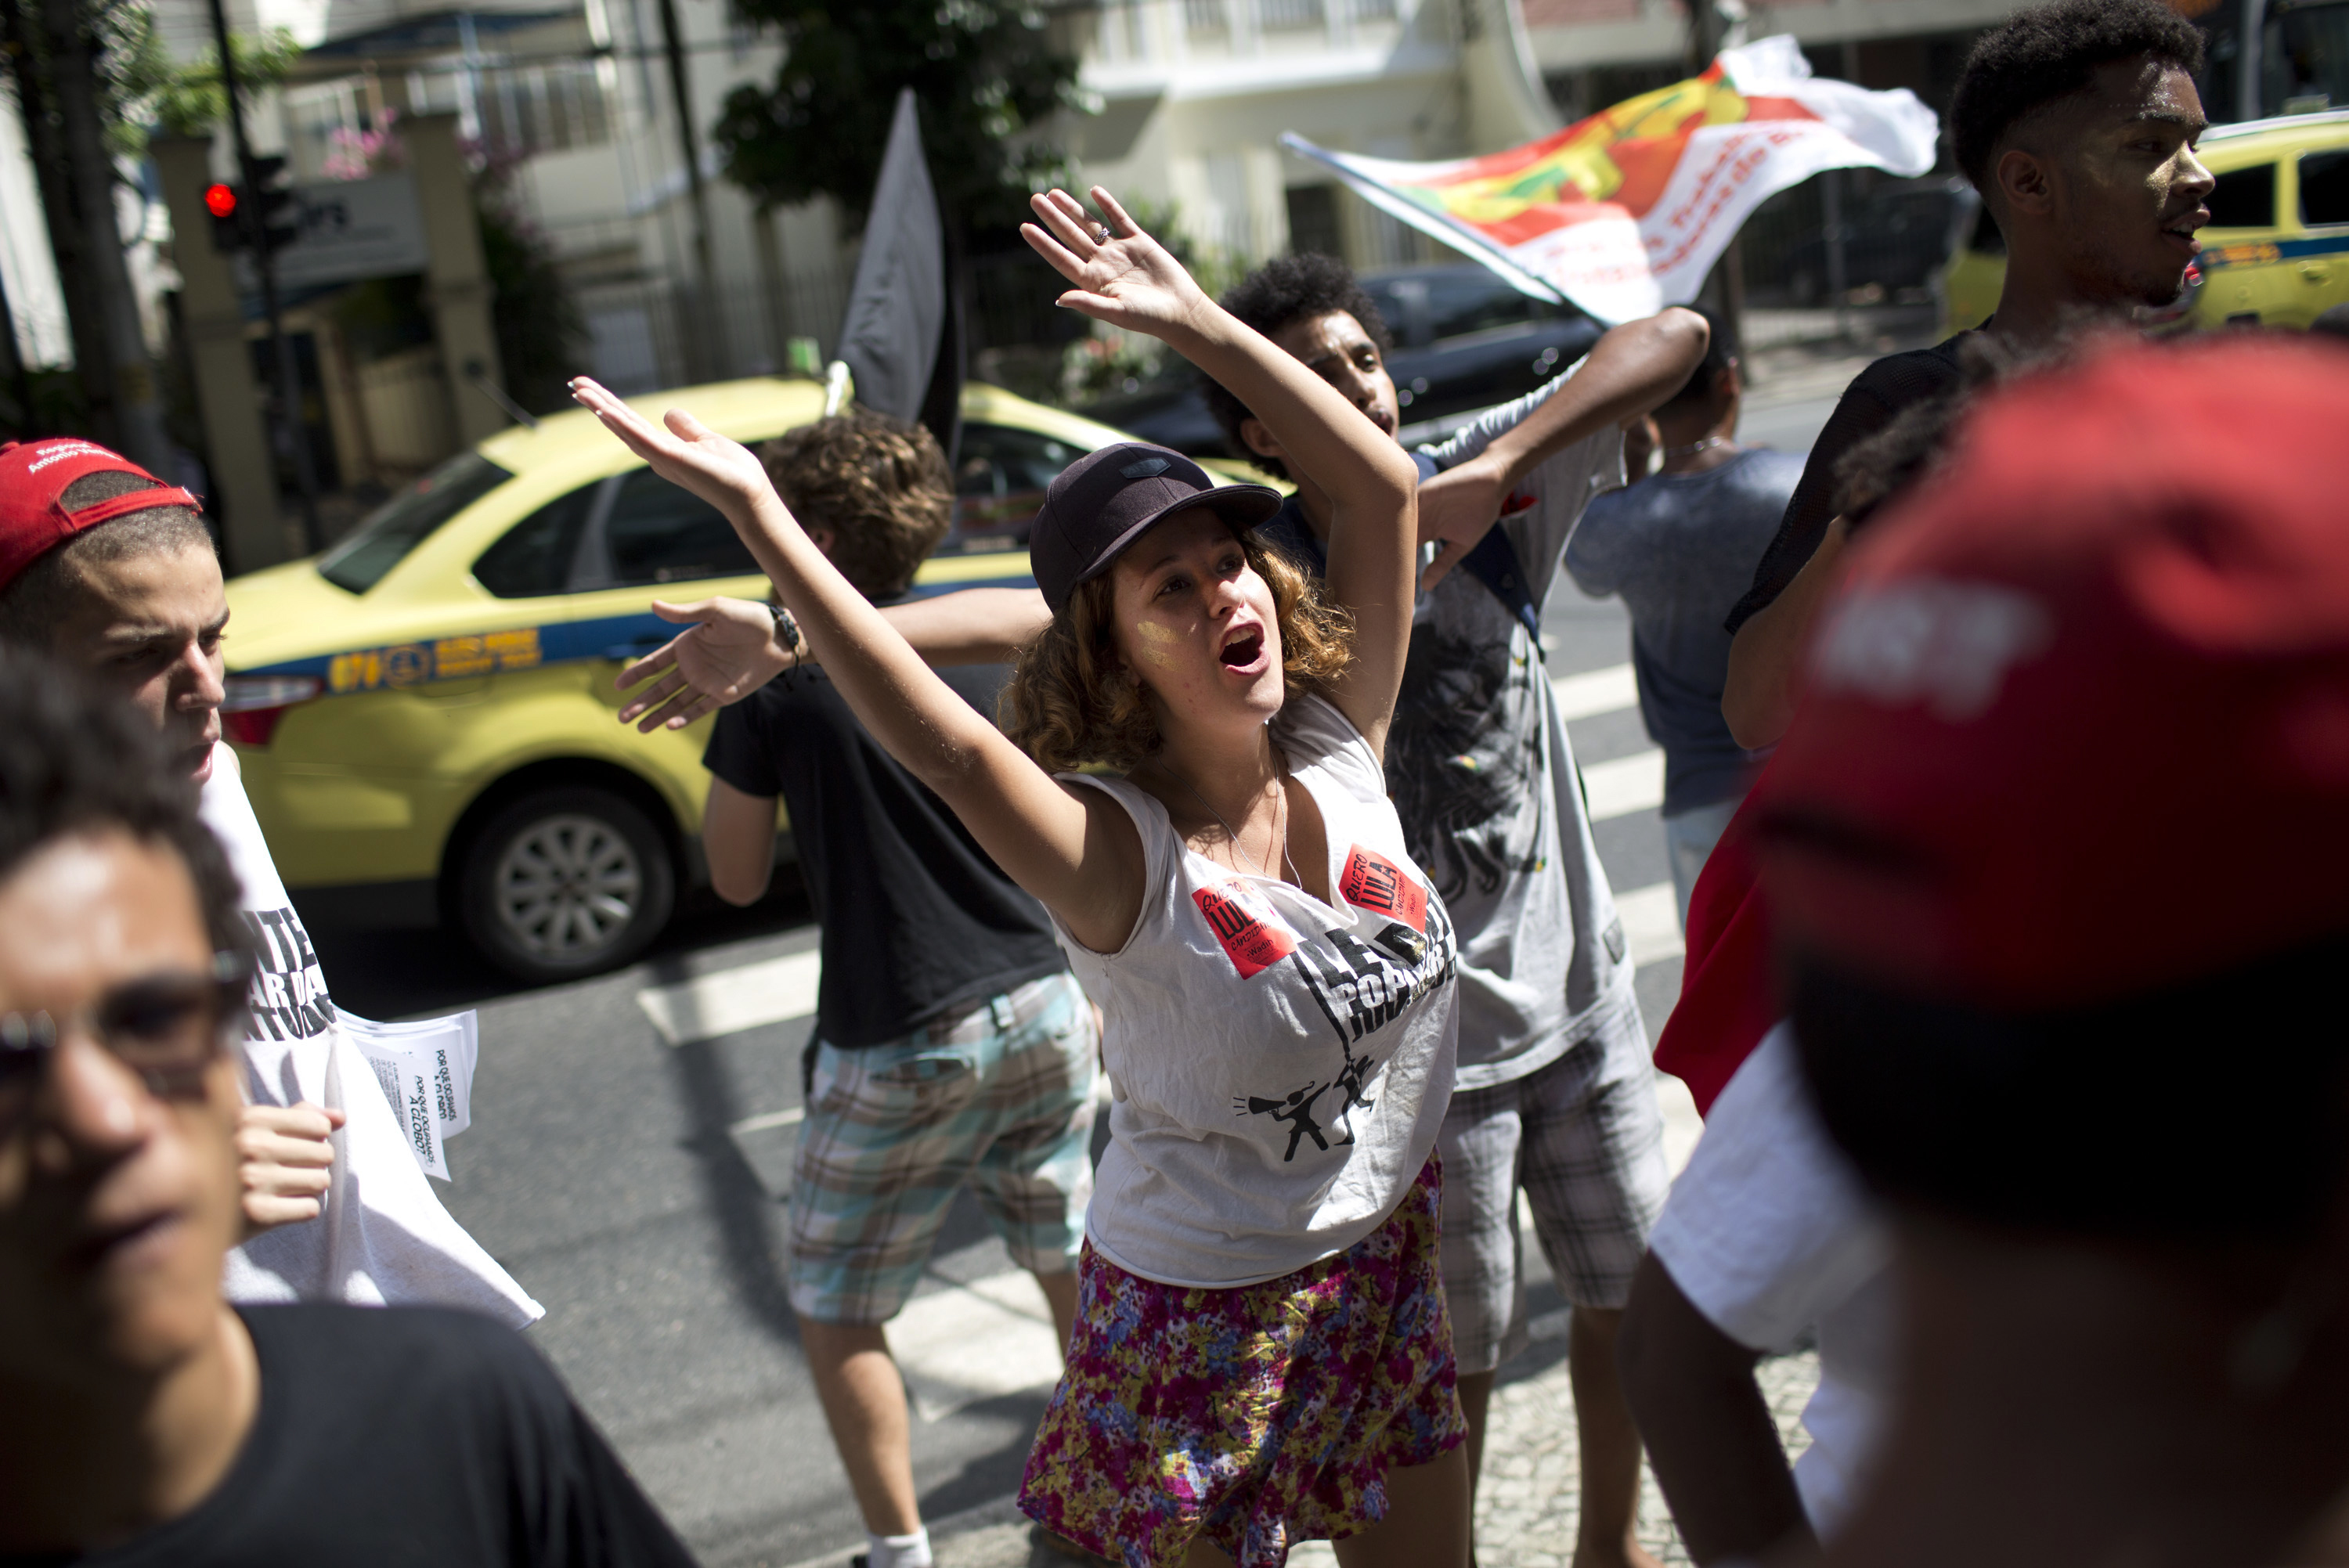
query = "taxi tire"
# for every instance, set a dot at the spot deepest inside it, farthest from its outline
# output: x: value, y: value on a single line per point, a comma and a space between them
x: 607, y: 841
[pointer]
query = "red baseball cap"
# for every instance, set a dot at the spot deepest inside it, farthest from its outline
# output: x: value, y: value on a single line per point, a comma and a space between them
x: 34, y: 478
x: 2077, y: 726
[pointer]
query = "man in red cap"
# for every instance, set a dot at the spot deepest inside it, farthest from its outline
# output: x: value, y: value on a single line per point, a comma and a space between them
x: 109, y: 571
x: 2055, y: 851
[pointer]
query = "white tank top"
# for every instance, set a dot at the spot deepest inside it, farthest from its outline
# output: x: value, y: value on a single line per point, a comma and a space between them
x: 1280, y: 1065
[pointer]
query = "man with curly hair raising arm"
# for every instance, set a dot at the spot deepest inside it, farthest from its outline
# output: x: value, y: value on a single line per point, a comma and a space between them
x: 951, y: 1044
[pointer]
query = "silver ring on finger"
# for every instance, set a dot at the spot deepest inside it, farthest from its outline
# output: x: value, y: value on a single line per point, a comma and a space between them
x: 1100, y: 235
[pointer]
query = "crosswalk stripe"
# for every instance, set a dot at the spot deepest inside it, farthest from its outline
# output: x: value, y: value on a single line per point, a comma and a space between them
x: 1594, y: 692
x: 1624, y: 785
x: 772, y: 991
x: 971, y: 1342
x: 1651, y: 922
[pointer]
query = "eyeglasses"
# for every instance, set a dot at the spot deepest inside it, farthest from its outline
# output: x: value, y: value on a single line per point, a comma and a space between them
x: 168, y: 1028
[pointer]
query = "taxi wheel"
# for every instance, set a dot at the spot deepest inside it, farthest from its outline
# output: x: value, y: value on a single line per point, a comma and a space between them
x: 564, y: 883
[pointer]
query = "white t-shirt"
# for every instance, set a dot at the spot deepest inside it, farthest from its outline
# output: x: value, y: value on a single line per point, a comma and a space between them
x: 1769, y: 1235
x: 1279, y: 1067
x: 383, y: 1238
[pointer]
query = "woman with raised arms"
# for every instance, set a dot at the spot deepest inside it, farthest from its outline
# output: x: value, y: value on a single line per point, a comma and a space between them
x: 1261, y: 1353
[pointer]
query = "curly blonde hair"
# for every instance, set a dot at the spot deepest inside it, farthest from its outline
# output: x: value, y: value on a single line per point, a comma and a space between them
x: 1072, y: 703
x: 879, y: 484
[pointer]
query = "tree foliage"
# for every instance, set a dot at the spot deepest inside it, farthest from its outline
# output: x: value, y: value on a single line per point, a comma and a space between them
x: 148, y: 88
x: 987, y: 77
x: 539, y: 331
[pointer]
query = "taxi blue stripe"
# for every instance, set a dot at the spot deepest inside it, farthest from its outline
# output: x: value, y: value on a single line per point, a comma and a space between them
x: 604, y: 638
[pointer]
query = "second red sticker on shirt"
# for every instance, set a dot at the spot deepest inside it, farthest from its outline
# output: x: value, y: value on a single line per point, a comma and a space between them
x: 1374, y: 882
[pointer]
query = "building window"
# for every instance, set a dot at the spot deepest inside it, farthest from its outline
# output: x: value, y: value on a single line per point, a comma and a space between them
x: 1206, y: 16
x: 1289, y: 15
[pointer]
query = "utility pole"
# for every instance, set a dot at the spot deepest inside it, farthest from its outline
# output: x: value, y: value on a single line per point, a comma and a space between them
x: 130, y: 373
x: 61, y: 215
x: 1707, y: 26
x: 702, y: 337
x: 290, y: 427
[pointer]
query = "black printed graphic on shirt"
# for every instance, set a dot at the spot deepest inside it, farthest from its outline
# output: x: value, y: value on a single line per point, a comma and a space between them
x: 1464, y: 758
x: 289, y: 999
x: 1360, y: 987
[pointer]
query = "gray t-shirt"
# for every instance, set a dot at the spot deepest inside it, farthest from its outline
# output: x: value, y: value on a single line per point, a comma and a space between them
x: 1482, y: 773
x: 1681, y: 549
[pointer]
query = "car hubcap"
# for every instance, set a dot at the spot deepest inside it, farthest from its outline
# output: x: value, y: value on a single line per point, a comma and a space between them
x: 567, y: 887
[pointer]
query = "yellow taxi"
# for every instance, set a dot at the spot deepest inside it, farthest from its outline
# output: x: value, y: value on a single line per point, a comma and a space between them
x: 2274, y: 253
x: 425, y: 712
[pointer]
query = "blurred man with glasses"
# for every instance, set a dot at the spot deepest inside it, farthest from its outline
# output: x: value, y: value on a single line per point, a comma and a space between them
x: 147, y: 1422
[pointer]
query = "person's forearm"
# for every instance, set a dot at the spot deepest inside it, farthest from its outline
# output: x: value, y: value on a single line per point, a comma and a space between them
x: 1361, y: 468
x: 1764, y: 660
x: 917, y: 719
x: 1710, y: 1435
x: 1631, y: 369
x: 971, y: 626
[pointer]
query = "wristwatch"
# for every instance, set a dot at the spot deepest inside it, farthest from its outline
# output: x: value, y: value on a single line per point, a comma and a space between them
x: 787, y: 631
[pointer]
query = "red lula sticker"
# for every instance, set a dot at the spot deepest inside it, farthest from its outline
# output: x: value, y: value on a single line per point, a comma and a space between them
x: 1255, y: 938
x: 1374, y: 882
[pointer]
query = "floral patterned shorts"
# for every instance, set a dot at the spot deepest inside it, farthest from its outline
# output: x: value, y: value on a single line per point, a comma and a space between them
x: 1255, y: 1417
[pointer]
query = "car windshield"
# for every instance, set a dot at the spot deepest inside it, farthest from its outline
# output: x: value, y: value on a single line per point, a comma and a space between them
x: 396, y: 527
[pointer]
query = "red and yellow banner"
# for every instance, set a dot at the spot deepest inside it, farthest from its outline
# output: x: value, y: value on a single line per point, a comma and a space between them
x: 1624, y: 212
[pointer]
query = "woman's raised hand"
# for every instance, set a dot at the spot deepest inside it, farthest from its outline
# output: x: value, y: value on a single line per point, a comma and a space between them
x: 1122, y: 276
x: 688, y: 453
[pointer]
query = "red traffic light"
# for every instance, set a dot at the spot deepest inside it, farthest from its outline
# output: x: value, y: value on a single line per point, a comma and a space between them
x: 219, y: 199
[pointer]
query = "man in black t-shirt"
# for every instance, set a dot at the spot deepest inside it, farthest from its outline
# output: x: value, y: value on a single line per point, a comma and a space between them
x: 143, y: 1421
x: 951, y: 1043
x: 2077, y: 121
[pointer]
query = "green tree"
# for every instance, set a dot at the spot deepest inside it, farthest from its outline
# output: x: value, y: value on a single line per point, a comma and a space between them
x: 149, y: 89
x: 988, y: 79
x: 540, y: 330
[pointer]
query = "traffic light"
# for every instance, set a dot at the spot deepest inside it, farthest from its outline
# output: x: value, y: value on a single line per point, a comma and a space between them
x: 228, y: 225
x: 265, y: 200
x: 275, y: 203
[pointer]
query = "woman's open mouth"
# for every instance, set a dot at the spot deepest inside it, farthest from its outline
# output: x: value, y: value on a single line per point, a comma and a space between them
x: 1245, y: 651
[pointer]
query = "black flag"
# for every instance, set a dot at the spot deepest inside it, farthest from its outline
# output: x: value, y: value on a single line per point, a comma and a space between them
x: 902, y: 335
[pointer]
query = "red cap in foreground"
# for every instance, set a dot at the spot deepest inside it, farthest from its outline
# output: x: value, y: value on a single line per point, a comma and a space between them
x: 2078, y: 725
x: 34, y: 475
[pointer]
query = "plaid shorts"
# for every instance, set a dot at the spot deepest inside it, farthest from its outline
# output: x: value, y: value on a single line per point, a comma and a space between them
x: 1000, y: 1097
x: 1585, y: 1138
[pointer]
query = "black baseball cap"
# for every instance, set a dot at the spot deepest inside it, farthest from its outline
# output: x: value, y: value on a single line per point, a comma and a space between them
x: 1108, y: 499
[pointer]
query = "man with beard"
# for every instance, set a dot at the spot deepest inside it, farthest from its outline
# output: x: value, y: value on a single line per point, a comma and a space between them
x: 2076, y: 122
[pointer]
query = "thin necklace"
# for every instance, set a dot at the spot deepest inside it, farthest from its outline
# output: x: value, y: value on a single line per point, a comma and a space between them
x: 1280, y: 809
x: 1693, y: 447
